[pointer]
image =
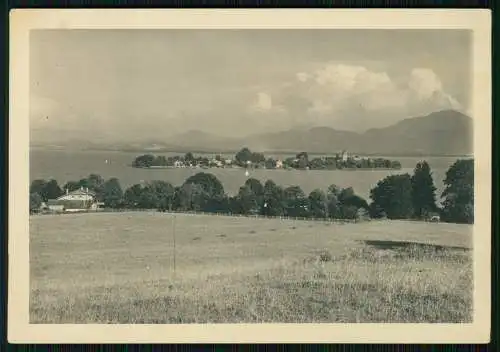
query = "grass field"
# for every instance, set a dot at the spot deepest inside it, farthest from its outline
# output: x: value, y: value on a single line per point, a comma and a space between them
x: 118, y: 268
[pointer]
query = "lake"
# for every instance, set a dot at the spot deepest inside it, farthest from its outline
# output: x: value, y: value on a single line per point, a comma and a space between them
x: 66, y: 166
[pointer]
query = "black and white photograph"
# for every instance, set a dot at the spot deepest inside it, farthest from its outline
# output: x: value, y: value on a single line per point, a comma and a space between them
x: 213, y: 175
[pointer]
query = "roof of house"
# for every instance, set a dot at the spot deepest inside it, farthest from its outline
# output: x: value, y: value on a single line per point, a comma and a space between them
x: 80, y: 192
x: 53, y: 202
x: 83, y: 191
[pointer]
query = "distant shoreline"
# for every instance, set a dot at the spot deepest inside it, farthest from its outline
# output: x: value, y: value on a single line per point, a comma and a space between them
x: 180, y: 150
x: 273, y: 169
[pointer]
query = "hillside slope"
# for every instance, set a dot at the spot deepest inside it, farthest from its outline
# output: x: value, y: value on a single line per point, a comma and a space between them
x: 445, y: 132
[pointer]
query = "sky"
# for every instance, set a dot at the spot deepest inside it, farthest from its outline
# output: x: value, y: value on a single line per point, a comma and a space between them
x: 128, y: 85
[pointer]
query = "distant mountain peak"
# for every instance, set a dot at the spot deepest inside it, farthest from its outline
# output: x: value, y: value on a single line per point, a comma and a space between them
x: 445, y: 132
x: 447, y: 113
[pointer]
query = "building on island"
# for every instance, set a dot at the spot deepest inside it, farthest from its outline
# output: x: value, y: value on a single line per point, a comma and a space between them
x: 79, y: 200
x: 344, y: 155
x: 178, y: 163
x: 279, y: 164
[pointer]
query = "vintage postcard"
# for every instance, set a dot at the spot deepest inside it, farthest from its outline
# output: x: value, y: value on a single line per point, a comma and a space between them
x: 250, y: 176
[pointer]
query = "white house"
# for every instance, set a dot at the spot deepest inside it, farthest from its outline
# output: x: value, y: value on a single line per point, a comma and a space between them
x: 344, y: 155
x: 82, y: 194
x: 53, y: 205
x: 79, y: 200
x: 279, y: 164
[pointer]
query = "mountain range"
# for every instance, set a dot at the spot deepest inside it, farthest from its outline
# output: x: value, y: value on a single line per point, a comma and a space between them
x: 446, y: 132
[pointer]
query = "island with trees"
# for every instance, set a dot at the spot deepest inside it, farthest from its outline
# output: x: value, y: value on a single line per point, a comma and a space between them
x: 245, y: 158
x: 402, y: 196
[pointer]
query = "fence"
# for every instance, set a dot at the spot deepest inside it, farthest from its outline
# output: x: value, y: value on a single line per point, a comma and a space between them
x: 187, y: 213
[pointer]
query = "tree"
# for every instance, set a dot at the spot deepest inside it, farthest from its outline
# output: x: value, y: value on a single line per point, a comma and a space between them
x: 209, y: 183
x: 423, y: 190
x: 249, y: 201
x: 35, y: 202
x: 189, y: 158
x: 334, y: 190
x: 330, y: 163
x: 46, y: 189
x: 318, y: 204
x: 289, y: 162
x: 163, y: 193
x: 234, y: 205
x: 160, y: 161
x: 146, y: 160
x: 270, y: 163
x: 177, y: 203
x: 154, y: 195
x: 257, y: 158
x: 96, y: 184
x: 376, y: 212
x: 347, y: 197
x: 71, y: 186
x: 317, y: 164
x: 251, y: 196
x: 51, y: 190
x: 38, y: 186
x: 458, y: 204
x: 350, y: 203
x: 112, y: 194
x: 363, y: 214
x: 296, y: 203
x: 333, y: 203
x: 273, y: 199
x: 255, y: 186
x: 396, y: 165
x: 393, y: 195
x: 217, y: 205
x: 303, y: 160
x: 350, y: 212
x: 190, y: 196
x: 132, y: 196
x: 345, y: 194
x: 243, y: 156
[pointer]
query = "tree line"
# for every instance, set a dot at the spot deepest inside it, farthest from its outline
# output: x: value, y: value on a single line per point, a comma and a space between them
x: 401, y: 196
x: 246, y: 158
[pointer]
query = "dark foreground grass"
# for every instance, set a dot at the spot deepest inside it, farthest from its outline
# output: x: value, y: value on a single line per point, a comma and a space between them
x: 368, y: 280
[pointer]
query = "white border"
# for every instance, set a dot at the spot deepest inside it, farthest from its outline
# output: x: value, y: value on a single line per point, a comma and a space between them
x: 22, y: 21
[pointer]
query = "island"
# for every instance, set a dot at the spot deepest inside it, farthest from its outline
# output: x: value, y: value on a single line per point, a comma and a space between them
x: 245, y: 158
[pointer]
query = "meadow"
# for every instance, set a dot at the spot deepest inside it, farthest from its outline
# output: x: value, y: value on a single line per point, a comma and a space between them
x: 119, y: 268
x: 67, y: 166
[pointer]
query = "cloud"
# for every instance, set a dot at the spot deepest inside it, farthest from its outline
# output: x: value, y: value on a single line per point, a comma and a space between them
x: 424, y: 83
x: 427, y: 87
x: 264, y: 101
x: 337, y: 87
x: 45, y: 112
x: 52, y: 114
x: 337, y: 93
x: 303, y: 77
x: 40, y: 107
